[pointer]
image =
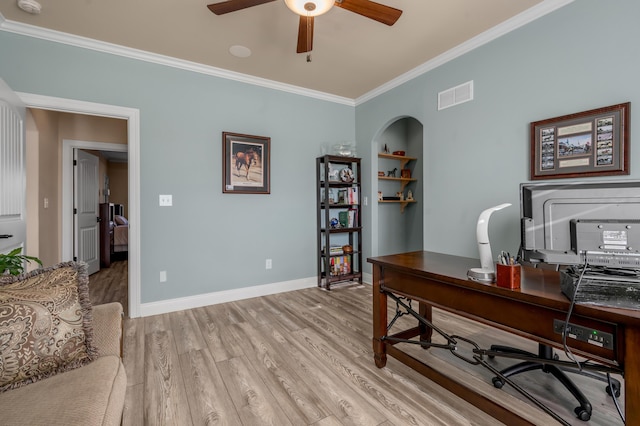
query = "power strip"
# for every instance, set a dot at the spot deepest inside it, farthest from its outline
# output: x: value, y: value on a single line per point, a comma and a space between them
x: 585, y: 334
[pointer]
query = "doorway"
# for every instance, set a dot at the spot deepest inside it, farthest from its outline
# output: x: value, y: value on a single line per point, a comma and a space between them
x: 131, y: 116
x: 68, y: 147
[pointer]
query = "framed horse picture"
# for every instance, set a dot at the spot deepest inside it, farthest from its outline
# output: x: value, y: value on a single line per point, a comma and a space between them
x: 246, y: 164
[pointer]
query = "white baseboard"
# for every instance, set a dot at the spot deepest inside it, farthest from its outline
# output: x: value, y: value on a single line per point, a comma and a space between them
x: 190, y: 302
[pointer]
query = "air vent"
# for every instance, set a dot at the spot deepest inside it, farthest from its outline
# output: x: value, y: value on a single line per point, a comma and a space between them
x: 455, y: 95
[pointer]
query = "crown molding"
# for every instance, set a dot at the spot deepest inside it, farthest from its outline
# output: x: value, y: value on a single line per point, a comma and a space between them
x: 529, y: 15
x: 523, y: 18
x: 114, y: 49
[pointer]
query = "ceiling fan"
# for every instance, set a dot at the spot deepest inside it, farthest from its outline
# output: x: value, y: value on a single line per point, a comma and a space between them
x: 308, y: 9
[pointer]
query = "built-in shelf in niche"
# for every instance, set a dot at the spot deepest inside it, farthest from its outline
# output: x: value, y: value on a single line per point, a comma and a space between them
x: 403, y: 181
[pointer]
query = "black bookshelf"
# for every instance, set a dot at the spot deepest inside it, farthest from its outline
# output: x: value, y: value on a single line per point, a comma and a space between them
x: 339, y: 220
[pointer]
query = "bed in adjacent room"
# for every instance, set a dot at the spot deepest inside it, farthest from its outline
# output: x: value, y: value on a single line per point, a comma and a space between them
x: 120, y: 241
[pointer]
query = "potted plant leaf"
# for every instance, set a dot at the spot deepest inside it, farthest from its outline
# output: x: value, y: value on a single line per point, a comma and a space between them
x: 13, y: 262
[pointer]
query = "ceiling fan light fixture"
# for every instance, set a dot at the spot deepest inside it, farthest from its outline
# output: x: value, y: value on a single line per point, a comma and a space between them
x: 309, y: 7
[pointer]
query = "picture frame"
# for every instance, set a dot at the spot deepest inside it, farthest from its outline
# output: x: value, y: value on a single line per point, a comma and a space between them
x: 246, y: 164
x: 584, y: 144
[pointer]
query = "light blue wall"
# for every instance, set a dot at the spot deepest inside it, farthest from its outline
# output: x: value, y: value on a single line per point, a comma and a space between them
x: 208, y: 241
x: 583, y: 56
x: 580, y: 57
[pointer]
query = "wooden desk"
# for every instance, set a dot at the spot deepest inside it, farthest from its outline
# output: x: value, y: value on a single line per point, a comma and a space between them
x: 440, y: 280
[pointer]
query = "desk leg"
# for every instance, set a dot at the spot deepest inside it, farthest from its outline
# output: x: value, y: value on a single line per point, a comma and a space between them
x: 632, y: 376
x: 425, y: 312
x: 379, y: 319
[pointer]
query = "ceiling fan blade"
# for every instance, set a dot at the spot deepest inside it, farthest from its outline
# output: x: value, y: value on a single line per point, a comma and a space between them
x: 379, y: 12
x: 305, y: 34
x: 233, y: 5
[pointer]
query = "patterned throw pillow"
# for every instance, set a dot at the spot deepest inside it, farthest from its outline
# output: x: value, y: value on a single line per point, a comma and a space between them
x: 45, y: 324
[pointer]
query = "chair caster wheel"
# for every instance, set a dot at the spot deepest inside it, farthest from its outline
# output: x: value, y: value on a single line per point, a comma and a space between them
x: 582, y: 414
x: 497, y: 382
x: 616, y: 389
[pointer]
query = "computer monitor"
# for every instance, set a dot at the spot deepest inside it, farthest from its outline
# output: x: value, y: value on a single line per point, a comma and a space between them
x: 576, y: 223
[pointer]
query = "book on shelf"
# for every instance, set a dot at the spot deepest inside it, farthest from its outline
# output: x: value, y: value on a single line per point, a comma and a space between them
x: 353, y: 218
x: 352, y: 195
x: 348, y: 218
x: 334, y: 250
x: 344, y: 219
x: 340, y: 265
x: 343, y: 196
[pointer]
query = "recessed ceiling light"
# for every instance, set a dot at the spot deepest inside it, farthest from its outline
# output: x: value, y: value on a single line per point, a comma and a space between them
x: 240, y: 51
x: 30, y: 6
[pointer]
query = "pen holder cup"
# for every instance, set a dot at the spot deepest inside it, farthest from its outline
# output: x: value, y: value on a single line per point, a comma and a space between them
x: 508, y: 276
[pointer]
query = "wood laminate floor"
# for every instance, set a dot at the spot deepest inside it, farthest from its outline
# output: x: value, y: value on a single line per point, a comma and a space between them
x: 110, y: 285
x: 305, y: 358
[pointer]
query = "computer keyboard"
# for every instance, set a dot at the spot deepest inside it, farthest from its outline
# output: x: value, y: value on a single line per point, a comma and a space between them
x: 603, y: 289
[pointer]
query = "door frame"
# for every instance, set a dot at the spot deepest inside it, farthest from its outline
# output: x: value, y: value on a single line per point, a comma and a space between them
x: 132, y: 115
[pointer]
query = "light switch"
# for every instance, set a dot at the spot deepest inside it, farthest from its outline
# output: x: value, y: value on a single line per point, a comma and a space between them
x: 166, y: 200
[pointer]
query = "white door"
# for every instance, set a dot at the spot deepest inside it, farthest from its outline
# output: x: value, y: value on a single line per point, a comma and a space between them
x: 13, y: 228
x: 85, y: 201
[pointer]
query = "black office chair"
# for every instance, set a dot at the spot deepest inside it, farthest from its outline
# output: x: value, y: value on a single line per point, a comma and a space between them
x: 544, y: 353
x: 583, y: 412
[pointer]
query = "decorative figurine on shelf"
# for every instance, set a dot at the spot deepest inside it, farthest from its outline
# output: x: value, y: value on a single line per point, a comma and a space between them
x: 346, y: 175
x: 334, y: 223
x: 334, y: 174
x: 400, y: 195
x: 379, y: 195
x: 409, y: 196
x: 385, y: 150
x: 392, y: 173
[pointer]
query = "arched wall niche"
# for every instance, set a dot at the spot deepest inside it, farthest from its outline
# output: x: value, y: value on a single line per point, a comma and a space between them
x: 397, y: 230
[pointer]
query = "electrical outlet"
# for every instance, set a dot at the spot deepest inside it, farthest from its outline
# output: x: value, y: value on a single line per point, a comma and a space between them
x: 268, y: 264
x: 166, y: 200
x: 163, y: 276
